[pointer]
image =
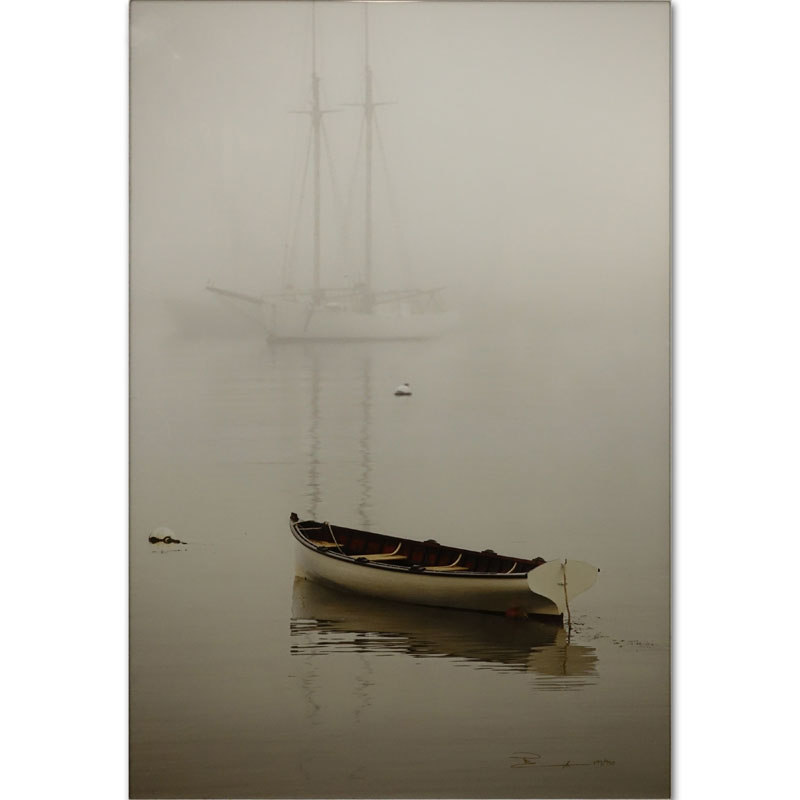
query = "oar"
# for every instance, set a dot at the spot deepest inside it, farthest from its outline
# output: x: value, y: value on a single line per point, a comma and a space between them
x: 560, y: 581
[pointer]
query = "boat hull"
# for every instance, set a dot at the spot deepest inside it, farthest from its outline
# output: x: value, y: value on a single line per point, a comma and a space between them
x: 498, y: 594
x: 296, y: 320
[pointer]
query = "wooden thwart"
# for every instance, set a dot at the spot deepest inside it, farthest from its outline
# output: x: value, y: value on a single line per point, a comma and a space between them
x: 393, y: 556
x: 382, y: 557
x: 447, y: 567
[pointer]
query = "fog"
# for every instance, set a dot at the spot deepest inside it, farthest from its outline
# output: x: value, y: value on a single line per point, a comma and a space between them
x: 527, y: 147
x: 527, y: 168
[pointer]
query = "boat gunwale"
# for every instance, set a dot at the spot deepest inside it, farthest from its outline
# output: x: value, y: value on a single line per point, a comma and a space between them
x: 413, y: 570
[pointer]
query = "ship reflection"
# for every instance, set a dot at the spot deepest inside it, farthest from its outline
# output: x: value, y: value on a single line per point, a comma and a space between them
x: 365, y: 478
x: 326, y: 621
x: 358, y: 428
x: 314, y: 491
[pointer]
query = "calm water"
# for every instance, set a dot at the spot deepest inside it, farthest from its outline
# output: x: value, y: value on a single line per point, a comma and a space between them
x: 247, y: 683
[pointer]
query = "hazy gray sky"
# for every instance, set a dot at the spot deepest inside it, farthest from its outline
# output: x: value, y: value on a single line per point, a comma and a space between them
x: 528, y: 147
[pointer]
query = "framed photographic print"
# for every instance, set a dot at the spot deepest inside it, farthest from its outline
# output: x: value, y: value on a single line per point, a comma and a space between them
x: 400, y: 399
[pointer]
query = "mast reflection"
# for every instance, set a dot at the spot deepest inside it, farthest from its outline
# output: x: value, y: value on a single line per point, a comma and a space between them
x: 358, y: 428
x: 365, y: 479
x: 314, y: 493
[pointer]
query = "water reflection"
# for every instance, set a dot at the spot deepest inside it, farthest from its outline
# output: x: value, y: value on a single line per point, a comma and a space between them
x: 326, y: 622
x: 364, y: 481
x: 314, y: 491
x: 358, y: 428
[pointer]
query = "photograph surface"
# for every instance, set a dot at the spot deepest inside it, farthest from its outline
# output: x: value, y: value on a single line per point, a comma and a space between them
x: 399, y: 399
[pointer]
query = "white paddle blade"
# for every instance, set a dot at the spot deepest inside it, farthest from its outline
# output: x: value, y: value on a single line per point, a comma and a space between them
x: 560, y: 581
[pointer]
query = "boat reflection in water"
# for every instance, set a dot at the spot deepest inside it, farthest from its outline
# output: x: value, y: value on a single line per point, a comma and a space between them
x: 327, y: 621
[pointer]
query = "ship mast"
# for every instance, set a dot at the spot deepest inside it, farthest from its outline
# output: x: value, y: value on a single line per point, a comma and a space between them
x: 369, y: 114
x: 316, y: 122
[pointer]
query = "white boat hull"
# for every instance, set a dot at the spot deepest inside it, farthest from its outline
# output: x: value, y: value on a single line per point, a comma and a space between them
x: 297, y: 320
x: 498, y: 594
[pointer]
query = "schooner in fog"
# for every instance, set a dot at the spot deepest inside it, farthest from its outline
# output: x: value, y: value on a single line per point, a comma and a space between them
x: 357, y: 311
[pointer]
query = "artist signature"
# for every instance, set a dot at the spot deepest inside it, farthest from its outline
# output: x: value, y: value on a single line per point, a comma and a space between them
x: 525, y: 759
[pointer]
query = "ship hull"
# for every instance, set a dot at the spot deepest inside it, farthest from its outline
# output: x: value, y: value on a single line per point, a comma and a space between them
x: 297, y: 320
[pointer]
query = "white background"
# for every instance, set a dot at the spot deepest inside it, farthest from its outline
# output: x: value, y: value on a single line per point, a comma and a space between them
x: 63, y: 332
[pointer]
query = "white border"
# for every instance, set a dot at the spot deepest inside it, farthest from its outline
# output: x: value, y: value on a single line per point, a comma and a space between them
x: 63, y: 249
x: 63, y: 67
x: 736, y: 290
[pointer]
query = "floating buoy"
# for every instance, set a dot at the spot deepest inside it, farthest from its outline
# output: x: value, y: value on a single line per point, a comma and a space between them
x: 403, y: 390
x: 163, y: 536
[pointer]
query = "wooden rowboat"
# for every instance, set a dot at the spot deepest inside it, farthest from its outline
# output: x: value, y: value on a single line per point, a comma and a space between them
x: 430, y: 574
